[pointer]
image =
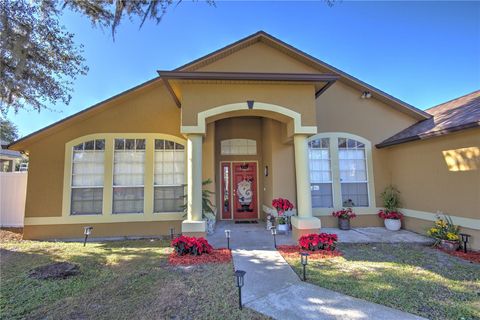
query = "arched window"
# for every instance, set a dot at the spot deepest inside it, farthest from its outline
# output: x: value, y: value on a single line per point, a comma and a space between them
x: 340, y: 173
x: 87, y: 177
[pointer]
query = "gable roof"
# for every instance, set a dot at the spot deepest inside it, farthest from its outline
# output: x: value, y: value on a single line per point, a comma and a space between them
x: 259, y: 36
x: 268, y: 39
x: 451, y: 116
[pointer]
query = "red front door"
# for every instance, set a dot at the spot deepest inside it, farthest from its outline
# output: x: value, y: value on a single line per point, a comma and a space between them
x: 239, y: 190
x: 244, y: 185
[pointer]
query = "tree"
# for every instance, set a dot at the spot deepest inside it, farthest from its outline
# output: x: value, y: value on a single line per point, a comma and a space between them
x: 8, y: 130
x: 39, y: 59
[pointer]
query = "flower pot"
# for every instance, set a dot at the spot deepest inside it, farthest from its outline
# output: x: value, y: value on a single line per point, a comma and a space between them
x: 282, y: 227
x: 210, y: 225
x: 449, y: 245
x: 393, y: 224
x: 343, y: 224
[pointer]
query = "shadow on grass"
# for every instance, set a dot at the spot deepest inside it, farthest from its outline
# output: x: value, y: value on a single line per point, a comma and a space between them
x: 415, y: 279
x: 118, y: 280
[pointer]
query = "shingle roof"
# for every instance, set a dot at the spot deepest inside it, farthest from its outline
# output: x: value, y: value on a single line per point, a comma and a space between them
x: 8, y: 153
x: 454, y: 115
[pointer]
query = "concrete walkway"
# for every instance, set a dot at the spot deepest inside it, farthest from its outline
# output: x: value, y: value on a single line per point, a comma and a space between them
x: 274, y: 289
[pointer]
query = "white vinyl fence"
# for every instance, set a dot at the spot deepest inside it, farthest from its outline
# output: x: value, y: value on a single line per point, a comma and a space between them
x: 13, y: 192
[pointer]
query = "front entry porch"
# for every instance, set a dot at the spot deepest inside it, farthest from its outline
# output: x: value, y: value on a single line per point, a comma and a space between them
x: 251, y: 159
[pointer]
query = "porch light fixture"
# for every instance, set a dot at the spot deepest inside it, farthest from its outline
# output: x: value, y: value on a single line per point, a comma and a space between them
x: 172, y: 233
x: 227, y: 235
x: 304, y: 261
x: 465, y: 241
x: 250, y: 104
x: 266, y: 171
x: 86, y: 231
x: 366, y: 95
x: 240, y: 274
x: 274, y: 234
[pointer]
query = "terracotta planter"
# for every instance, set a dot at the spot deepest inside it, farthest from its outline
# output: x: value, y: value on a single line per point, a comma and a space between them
x: 343, y: 224
x: 449, y: 245
x: 393, y: 224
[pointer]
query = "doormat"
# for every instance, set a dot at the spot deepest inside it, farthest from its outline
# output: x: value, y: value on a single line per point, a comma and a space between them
x: 246, y: 221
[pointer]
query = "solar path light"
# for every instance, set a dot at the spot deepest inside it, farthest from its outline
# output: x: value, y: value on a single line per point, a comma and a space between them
x: 240, y: 274
x: 227, y: 235
x: 86, y: 231
x: 304, y: 261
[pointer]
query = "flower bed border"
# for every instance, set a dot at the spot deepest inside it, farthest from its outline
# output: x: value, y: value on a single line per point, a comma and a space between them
x: 471, y: 256
x: 221, y: 255
x: 293, y: 252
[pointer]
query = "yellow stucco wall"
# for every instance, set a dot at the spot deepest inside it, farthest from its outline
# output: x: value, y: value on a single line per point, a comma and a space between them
x: 150, y: 111
x: 420, y: 170
x: 258, y: 57
x: 200, y: 97
x: 340, y: 109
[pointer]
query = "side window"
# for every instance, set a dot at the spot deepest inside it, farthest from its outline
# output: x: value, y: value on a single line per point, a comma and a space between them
x: 128, y: 176
x: 87, y: 177
x: 353, y: 172
x: 169, y: 179
x: 320, y: 173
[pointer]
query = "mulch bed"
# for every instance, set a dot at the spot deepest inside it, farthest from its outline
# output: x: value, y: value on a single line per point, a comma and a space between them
x: 217, y: 256
x: 11, y: 234
x: 472, y: 256
x: 293, y: 252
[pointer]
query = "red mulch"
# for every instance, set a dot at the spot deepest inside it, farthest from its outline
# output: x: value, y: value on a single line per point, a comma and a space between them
x: 293, y: 252
x: 217, y: 256
x: 472, y: 256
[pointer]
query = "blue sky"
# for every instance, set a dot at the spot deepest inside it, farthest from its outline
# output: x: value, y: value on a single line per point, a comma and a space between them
x: 424, y: 53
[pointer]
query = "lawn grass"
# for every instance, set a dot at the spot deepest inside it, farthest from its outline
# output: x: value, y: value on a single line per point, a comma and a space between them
x: 118, y: 280
x: 415, y: 279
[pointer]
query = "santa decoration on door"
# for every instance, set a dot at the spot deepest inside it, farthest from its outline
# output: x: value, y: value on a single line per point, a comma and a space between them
x: 245, y: 194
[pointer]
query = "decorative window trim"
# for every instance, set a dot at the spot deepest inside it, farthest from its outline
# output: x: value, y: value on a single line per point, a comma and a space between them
x: 334, y: 167
x: 107, y: 216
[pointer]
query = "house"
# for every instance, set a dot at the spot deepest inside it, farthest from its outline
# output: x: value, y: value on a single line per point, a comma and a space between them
x: 262, y: 120
x: 8, y: 158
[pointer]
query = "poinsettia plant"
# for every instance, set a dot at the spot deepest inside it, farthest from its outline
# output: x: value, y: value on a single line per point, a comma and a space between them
x: 344, y: 214
x: 184, y: 245
x: 320, y: 241
x: 282, y: 205
x: 384, y: 214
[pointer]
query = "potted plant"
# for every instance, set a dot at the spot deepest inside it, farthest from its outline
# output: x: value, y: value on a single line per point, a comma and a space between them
x: 208, y: 209
x: 445, y: 233
x: 344, y: 217
x: 282, y: 205
x: 282, y: 224
x: 392, y: 218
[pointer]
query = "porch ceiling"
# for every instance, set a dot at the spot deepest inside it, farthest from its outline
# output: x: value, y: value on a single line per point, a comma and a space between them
x: 321, y: 80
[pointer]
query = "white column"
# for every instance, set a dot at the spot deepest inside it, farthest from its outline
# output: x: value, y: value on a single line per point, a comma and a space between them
x: 194, y: 225
x: 302, y: 174
x: 194, y: 177
x: 305, y: 222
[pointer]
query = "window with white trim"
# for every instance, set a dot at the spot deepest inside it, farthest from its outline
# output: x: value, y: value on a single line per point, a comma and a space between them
x: 169, y: 179
x: 87, y: 177
x: 353, y: 172
x: 320, y: 173
x: 338, y: 171
x: 128, y: 176
x: 238, y: 147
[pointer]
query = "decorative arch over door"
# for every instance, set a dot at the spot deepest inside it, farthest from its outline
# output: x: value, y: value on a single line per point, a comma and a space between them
x: 294, y: 124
